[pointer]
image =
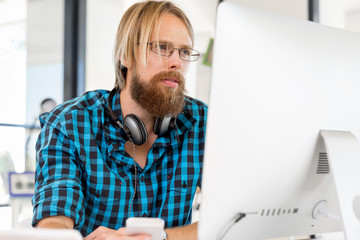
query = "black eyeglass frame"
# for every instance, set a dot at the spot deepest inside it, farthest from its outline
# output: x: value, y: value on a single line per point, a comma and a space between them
x: 194, y: 53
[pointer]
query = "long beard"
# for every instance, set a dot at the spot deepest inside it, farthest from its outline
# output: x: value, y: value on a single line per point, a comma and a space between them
x: 157, y: 99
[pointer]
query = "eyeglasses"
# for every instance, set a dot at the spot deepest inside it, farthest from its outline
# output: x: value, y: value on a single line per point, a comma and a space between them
x: 166, y: 49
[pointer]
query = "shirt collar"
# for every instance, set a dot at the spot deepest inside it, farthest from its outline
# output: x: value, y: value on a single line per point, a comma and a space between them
x: 112, y: 132
x: 185, y: 121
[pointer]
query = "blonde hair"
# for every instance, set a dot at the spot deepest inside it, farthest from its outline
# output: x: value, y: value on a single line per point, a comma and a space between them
x: 137, y: 25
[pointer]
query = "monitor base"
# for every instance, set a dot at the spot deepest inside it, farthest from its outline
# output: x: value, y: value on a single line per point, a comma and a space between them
x: 343, y: 152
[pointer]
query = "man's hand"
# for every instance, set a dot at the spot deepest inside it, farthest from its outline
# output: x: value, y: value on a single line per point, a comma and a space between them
x: 104, y: 233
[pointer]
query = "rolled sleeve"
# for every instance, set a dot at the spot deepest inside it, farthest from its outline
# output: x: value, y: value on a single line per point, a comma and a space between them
x: 58, y: 189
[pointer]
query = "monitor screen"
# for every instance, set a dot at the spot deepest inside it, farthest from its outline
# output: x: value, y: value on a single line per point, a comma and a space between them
x: 284, y: 112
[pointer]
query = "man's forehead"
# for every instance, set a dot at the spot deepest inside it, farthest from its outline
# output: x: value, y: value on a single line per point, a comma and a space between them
x: 171, y: 29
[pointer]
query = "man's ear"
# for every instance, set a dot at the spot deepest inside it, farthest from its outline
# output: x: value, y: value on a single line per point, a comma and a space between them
x: 125, y: 63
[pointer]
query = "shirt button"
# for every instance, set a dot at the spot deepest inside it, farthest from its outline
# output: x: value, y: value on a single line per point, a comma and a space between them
x: 144, y: 215
x: 98, y: 194
x: 142, y: 178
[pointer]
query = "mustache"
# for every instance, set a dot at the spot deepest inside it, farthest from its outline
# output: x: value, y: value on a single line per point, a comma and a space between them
x: 170, y: 74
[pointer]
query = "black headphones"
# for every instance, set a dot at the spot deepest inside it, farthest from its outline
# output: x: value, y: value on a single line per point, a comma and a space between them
x: 134, y: 129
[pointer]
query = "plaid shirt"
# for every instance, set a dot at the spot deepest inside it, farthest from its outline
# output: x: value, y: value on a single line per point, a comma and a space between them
x: 83, y: 171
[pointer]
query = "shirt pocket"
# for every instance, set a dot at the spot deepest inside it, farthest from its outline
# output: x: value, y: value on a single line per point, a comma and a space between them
x: 180, y: 199
x: 181, y: 191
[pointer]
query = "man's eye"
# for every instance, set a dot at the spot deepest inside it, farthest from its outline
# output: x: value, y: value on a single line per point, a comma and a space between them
x: 163, y: 47
x: 186, y: 52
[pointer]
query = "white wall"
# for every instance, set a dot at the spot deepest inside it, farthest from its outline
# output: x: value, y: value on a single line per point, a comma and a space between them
x: 352, y: 20
x: 343, y: 14
x: 103, y: 17
x: 44, y: 62
x: 332, y: 13
x: 45, y: 47
x: 292, y: 8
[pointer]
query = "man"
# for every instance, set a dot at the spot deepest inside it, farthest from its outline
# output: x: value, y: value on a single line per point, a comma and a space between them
x: 101, y: 159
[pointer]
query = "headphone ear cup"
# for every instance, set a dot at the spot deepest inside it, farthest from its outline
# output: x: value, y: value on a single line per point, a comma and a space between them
x: 137, y: 129
x: 161, y: 125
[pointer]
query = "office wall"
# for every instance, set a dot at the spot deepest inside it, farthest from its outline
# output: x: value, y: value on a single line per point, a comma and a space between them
x: 44, y: 63
x: 341, y: 14
x: 45, y: 47
x: 101, y: 25
x: 292, y: 8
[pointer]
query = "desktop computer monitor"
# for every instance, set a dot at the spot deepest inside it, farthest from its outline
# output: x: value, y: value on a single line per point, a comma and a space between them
x: 281, y: 155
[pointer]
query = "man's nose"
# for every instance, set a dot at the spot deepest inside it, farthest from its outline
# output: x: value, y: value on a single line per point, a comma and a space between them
x: 174, y: 61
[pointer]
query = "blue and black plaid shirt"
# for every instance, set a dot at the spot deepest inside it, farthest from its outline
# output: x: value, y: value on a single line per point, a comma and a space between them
x: 83, y: 171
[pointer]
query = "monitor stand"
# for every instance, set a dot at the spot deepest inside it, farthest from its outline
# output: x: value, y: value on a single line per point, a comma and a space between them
x: 343, y: 153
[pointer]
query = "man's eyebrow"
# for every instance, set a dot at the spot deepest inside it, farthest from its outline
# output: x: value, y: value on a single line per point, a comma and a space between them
x: 172, y: 44
x: 185, y: 46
